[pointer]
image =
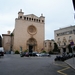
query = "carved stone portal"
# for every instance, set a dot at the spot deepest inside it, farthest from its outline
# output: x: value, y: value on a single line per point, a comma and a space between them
x: 31, y: 43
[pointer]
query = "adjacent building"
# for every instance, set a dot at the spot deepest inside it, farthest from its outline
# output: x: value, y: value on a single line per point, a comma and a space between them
x: 64, y: 36
x: 48, y: 45
x: 7, y: 41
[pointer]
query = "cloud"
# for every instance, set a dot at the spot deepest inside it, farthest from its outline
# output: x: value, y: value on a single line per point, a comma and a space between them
x: 58, y: 13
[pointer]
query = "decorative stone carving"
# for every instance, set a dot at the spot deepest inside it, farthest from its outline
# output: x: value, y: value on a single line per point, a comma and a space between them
x: 32, y: 30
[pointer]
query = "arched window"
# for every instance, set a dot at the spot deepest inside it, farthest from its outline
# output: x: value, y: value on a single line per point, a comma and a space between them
x: 39, y: 20
x: 27, y: 18
x: 45, y: 44
x: 30, y: 19
x: 64, y: 44
x: 24, y: 18
x: 42, y: 20
x: 20, y: 16
x: 50, y: 44
x: 70, y: 37
x: 58, y: 39
x: 34, y: 19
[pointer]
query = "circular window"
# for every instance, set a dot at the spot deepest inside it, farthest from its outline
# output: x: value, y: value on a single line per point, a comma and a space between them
x: 32, y: 30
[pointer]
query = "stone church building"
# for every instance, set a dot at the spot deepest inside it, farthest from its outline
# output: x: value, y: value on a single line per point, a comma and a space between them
x: 28, y: 34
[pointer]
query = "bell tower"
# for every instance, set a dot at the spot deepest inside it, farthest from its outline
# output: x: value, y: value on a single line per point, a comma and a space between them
x: 20, y: 14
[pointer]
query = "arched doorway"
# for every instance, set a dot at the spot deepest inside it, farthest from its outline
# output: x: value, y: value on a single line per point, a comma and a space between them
x: 31, y: 43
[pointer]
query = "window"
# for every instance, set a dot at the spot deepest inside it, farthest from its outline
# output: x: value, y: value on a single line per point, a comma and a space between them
x: 39, y: 20
x: 64, y: 44
x: 42, y: 20
x: 20, y: 16
x: 57, y: 34
x: 58, y: 44
x: 74, y: 31
x: 70, y: 37
x: 65, y: 33
x: 45, y: 44
x: 32, y: 19
x: 50, y: 44
x: 70, y: 32
x: 58, y: 39
x: 24, y: 18
x: 27, y: 18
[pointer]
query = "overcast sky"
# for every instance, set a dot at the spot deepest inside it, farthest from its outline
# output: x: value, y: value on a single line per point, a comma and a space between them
x: 58, y: 14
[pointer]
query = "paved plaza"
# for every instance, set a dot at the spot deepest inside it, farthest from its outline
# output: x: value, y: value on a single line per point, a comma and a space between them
x: 16, y: 65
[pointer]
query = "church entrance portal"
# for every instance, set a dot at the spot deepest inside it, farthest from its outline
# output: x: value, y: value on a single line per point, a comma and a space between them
x: 30, y: 48
x: 31, y: 44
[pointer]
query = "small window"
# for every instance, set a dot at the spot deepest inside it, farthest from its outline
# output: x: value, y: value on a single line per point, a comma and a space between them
x: 58, y: 44
x: 70, y: 38
x: 24, y: 18
x: 74, y: 31
x: 45, y: 44
x: 70, y: 32
x: 64, y: 44
x: 39, y: 20
x: 20, y: 16
x: 27, y: 18
x: 32, y: 19
x: 50, y: 44
x: 57, y: 34
x: 42, y: 20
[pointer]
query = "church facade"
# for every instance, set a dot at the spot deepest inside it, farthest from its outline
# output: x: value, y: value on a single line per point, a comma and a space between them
x: 29, y: 32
